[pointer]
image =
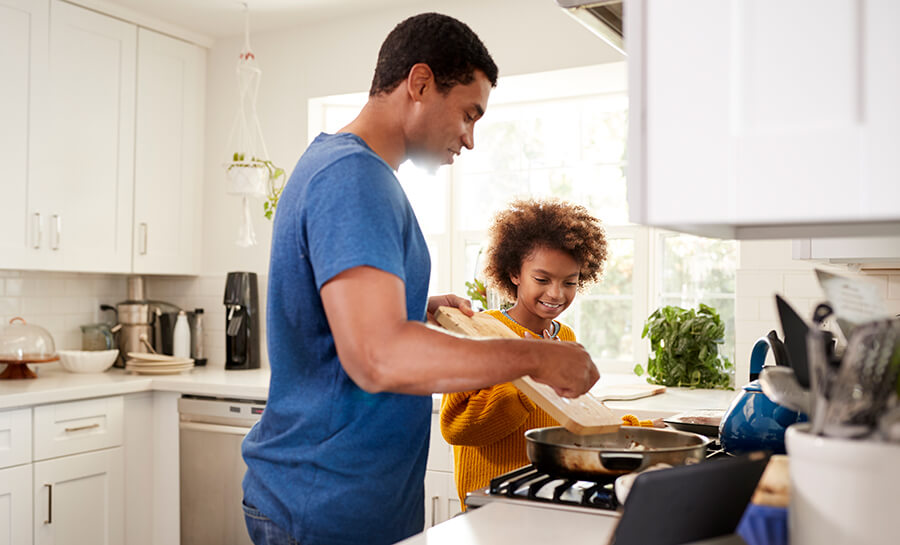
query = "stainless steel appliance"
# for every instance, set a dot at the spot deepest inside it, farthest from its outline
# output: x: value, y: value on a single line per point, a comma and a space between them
x: 139, y: 325
x: 210, y: 433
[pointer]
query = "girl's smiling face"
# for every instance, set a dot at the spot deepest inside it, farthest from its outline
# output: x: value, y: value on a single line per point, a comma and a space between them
x: 546, y: 283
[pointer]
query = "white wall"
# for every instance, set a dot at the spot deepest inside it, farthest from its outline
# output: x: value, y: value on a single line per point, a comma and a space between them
x: 339, y: 57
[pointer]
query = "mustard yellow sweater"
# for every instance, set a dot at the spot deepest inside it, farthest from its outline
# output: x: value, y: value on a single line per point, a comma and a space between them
x: 487, y: 427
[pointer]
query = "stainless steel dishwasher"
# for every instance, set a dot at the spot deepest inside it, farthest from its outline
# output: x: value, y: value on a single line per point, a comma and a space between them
x: 210, y: 435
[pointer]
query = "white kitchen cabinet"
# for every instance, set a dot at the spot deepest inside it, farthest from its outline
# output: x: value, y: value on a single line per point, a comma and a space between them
x: 15, y: 505
x: 82, y: 167
x: 23, y: 61
x: 15, y: 437
x: 171, y: 76
x: 441, y: 500
x: 78, y: 499
x: 764, y: 119
x: 61, y: 429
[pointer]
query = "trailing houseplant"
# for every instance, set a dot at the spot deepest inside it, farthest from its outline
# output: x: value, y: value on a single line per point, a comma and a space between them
x: 257, y: 177
x: 684, y: 348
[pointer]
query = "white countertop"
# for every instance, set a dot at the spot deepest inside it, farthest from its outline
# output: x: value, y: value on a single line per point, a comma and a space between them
x: 54, y: 384
x: 672, y: 401
x: 527, y: 525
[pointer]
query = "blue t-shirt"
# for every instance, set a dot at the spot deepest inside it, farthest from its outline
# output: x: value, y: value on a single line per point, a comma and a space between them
x: 329, y: 462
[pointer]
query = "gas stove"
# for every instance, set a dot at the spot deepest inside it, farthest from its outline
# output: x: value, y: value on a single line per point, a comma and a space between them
x: 530, y: 485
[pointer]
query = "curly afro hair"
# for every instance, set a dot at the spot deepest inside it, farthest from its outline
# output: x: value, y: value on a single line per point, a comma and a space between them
x: 528, y: 224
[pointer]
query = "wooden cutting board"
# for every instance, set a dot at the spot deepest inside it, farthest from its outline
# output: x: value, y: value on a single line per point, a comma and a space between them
x: 582, y: 415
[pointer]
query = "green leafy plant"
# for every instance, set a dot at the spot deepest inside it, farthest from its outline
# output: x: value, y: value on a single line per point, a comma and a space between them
x: 274, y: 185
x: 684, y: 348
x: 477, y: 292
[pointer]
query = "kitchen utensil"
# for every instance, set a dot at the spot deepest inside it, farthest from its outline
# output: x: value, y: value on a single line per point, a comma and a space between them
x: 781, y: 386
x: 705, y: 422
x: 795, y: 329
x: 558, y: 451
x: 822, y: 375
x: 87, y: 361
x: 753, y: 421
x: 582, y: 415
x: 889, y: 425
x: 843, y: 491
x: 624, y: 392
x: 99, y: 336
x: 22, y: 344
x: 866, y: 380
x: 196, y: 323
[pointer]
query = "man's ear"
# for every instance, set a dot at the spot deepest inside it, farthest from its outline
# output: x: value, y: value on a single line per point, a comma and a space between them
x: 419, y: 80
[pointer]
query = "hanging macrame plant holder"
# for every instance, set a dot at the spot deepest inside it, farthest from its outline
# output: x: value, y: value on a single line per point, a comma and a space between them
x: 250, y: 174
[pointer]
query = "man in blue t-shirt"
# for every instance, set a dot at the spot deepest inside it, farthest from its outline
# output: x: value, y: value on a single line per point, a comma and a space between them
x: 339, y: 454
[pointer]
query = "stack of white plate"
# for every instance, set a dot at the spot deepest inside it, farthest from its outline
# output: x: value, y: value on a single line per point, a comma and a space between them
x: 157, y: 364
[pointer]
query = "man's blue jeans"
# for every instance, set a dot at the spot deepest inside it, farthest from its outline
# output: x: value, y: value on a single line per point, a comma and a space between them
x: 263, y: 531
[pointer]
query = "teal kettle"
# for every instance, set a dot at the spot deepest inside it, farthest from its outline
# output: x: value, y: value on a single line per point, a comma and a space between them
x: 753, y: 421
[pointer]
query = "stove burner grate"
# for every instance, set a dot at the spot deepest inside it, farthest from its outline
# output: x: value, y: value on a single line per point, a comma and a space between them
x: 531, y: 483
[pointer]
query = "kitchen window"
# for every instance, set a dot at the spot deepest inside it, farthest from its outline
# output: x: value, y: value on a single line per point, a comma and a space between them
x: 561, y: 134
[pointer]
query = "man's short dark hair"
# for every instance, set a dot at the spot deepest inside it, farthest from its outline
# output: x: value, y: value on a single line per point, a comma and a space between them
x: 448, y: 46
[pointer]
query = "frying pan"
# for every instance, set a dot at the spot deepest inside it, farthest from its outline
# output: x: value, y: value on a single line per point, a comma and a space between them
x: 558, y: 451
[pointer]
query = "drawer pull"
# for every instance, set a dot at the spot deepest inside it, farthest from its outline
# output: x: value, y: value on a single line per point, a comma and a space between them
x: 49, y: 504
x: 79, y: 428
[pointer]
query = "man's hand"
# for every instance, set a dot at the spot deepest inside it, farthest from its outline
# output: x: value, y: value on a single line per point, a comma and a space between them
x: 566, y: 367
x: 448, y: 300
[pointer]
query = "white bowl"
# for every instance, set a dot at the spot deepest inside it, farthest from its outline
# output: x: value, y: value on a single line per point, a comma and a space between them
x: 87, y: 361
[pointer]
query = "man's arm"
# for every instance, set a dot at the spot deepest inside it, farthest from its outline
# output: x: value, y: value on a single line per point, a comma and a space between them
x: 382, y: 351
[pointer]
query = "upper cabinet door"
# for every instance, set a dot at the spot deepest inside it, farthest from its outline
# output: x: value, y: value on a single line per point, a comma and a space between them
x: 23, y: 61
x: 753, y: 114
x: 169, y: 155
x: 86, y: 174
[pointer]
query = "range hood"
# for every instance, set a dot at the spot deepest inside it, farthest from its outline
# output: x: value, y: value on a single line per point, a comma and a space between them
x: 602, y: 17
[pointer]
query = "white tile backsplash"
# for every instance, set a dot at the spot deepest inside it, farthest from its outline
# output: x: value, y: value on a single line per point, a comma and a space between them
x: 767, y: 268
x: 59, y: 302
x: 62, y: 302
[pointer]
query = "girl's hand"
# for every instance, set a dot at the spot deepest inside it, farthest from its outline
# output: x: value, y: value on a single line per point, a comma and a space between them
x: 448, y: 300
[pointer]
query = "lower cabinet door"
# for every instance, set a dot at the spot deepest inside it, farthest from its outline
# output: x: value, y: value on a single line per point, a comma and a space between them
x: 435, y: 498
x: 15, y: 505
x: 78, y: 499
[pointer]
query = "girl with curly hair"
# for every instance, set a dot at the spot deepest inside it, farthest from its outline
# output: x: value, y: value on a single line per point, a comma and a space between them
x: 540, y: 254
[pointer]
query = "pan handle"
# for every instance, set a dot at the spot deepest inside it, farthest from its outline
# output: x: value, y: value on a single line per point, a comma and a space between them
x: 621, y: 461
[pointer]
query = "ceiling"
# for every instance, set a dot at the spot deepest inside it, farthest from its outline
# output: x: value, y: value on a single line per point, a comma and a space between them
x: 225, y: 18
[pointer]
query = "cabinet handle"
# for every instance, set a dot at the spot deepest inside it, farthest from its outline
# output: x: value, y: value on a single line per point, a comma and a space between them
x: 36, y: 233
x: 434, y: 506
x: 79, y: 428
x: 57, y: 232
x: 143, y: 236
x: 49, y: 504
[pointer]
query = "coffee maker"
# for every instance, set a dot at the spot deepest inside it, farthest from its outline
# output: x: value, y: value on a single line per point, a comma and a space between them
x: 241, y: 321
